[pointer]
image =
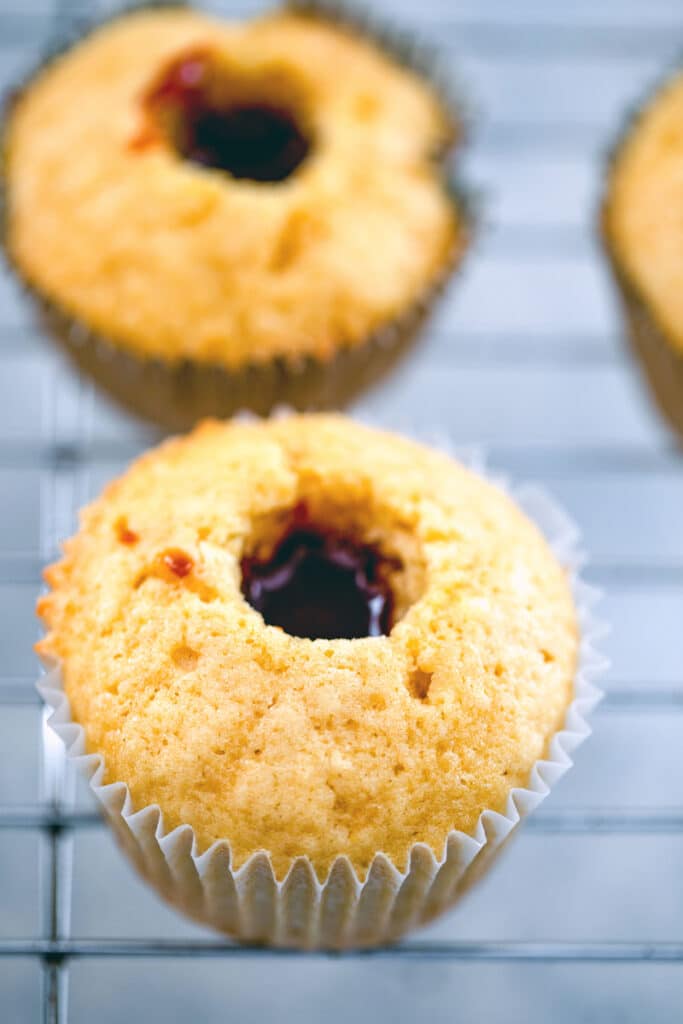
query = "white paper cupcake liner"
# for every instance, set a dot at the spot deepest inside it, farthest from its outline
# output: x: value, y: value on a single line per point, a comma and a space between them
x: 344, y: 911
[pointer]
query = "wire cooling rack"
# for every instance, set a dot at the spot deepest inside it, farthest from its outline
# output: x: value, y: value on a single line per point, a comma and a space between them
x: 583, y: 918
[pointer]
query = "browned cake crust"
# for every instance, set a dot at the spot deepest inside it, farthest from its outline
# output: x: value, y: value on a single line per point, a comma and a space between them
x: 298, y: 746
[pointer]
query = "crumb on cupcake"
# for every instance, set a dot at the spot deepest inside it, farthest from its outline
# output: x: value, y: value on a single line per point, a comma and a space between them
x: 257, y: 723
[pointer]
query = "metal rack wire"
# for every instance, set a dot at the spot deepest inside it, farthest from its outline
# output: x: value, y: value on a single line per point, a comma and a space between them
x: 60, y: 440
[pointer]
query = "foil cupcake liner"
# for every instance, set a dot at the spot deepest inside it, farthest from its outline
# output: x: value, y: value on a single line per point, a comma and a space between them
x: 661, y: 361
x: 176, y: 395
x: 344, y: 911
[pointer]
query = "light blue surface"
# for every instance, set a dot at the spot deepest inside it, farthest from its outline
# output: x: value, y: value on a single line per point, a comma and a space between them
x: 526, y: 357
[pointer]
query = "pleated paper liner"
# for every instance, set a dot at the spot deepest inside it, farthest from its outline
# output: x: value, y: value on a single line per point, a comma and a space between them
x: 176, y: 395
x: 662, y: 362
x: 343, y: 910
x: 660, y: 359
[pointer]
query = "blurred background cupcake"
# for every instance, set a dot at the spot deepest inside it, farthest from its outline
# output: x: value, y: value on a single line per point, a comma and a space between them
x: 219, y: 215
x: 643, y: 235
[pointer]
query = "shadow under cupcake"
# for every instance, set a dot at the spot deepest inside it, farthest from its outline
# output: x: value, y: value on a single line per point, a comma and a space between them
x: 215, y: 216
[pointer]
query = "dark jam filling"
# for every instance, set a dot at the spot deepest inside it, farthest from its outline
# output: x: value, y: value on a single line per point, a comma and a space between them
x: 256, y: 140
x: 321, y: 586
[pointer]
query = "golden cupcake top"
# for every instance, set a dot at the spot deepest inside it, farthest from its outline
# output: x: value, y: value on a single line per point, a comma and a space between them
x: 231, y: 193
x: 313, y: 638
x: 643, y: 214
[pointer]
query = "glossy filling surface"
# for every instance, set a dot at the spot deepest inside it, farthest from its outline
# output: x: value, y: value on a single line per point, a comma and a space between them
x: 321, y: 586
x: 253, y: 139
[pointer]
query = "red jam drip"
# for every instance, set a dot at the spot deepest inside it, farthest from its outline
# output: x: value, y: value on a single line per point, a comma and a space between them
x: 179, y: 562
x: 125, y: 534
x: 321, y: 586
x: 256, y: 140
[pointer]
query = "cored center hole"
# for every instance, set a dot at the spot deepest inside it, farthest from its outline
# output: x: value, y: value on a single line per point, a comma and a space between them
x: 322, y: 586
x: 253, y: 139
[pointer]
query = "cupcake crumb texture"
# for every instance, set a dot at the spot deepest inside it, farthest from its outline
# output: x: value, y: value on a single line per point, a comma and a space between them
x: 644, y: 208
x: 298, y: 746
x: 133, y: 207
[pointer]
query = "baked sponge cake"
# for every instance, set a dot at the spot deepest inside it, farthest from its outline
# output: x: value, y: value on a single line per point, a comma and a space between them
x: 642, y: 217
x: 233, y: 196
x: 312, y: 639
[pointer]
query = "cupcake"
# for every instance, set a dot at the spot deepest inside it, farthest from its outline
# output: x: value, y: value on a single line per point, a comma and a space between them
x: 315, y: 672
x: 642, y: 213
x: 219, y: 215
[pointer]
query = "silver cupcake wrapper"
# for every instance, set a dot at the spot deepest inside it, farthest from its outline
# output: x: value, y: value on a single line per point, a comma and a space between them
x: 176, y: 395
x: 661, y: 361
x: 343, y: 910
